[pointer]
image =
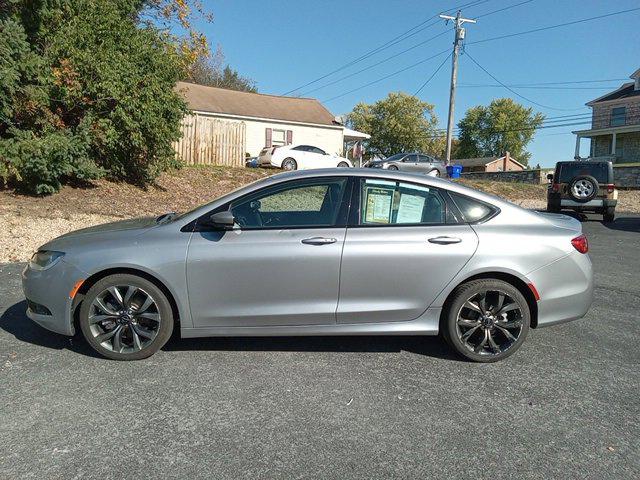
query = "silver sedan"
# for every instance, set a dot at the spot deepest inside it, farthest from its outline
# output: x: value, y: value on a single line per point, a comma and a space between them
x: 322, y: 252
x: 411, y: 162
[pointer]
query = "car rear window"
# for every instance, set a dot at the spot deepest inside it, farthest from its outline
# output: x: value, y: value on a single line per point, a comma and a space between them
x: 568, y: 171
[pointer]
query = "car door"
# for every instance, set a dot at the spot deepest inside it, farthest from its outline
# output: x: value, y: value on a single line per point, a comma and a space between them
x: 321, y: 159
x: 279, y: 265
x: 402, y: 247
x: 409, y: 163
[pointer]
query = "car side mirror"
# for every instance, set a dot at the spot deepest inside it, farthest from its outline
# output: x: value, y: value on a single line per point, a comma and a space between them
x: 549, y: 176
x: 222, y: 220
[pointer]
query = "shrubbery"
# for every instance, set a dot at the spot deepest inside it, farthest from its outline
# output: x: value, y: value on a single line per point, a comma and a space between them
x: 85, y: 90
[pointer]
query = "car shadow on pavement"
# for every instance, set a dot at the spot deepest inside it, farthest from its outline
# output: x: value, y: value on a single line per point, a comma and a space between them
x: 429, y: 346
x: 625, y: 224
x: 15, y: 322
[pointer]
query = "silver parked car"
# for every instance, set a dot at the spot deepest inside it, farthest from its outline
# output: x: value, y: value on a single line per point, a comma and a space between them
x: 336, y: 252
x: 411, y: 162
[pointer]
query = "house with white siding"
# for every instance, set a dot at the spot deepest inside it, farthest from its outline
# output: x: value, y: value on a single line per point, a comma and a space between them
x: 224, y: 125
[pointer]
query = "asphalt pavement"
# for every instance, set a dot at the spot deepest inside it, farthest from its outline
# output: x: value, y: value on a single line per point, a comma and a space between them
x: 567, y: 405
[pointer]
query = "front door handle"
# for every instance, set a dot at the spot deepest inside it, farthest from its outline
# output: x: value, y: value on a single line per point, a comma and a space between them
x: 319, y: 241
x: 445, y: 240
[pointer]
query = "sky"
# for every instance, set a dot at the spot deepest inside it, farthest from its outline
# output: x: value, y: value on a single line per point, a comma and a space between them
x: 284, y: 44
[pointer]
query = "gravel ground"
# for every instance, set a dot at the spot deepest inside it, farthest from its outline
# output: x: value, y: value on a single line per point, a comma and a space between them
x: 33, y: 221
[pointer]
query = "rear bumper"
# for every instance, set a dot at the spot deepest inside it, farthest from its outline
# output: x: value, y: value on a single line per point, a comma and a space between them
x: 50, y: 289
x: 555, y: 201
x: 565, y: 287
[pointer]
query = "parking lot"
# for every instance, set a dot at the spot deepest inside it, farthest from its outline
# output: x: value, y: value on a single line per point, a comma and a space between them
x: 567, y: 405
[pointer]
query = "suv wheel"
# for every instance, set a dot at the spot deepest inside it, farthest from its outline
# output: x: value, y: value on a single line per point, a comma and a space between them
x: 609, y: 214
x: 583, y: 188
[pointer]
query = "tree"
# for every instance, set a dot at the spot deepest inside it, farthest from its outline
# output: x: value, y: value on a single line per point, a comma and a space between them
x: 86, y: 90
x: 210, y: 71
x: 503, y: 126
x: 398, y: 123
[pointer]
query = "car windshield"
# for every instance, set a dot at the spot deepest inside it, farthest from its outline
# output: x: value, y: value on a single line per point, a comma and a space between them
x: 397, y: 156
x: 569, y: 171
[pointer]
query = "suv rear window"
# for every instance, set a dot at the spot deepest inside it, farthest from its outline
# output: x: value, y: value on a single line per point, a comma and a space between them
x: 568, y: 171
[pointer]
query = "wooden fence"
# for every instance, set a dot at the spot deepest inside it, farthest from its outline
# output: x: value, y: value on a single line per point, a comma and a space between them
x: 210, y: 141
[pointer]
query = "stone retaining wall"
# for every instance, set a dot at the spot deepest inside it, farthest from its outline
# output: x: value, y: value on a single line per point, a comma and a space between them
x: 523, y: 176
x: 627, y: 177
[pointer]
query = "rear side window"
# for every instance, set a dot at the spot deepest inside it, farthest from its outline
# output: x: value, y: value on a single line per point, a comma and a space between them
x: 472, y: 210
x: 568, y: 171
x: 386, y: 202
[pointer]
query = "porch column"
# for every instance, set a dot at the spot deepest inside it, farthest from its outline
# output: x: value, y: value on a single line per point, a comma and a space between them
x: 613, y: 144
x: 577, y: 155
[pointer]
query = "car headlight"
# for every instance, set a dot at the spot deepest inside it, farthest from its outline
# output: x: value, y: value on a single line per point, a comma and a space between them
x: 44, y: 259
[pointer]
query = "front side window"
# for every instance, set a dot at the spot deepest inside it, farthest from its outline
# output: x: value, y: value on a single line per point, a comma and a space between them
x: 384, y: 202
x: 317, y: 150
x: 618, y: 116
x: 302, y: 148
x: 297, y: 205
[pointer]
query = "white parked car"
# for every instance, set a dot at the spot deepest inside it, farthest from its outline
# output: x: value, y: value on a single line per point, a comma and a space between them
x: 300, y: 157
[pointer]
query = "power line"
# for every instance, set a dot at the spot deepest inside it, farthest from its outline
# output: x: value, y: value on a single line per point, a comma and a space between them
x: 387, y: 76
x: 375, y: 64
x: 539, y: 87
x: 397, y: 39
x: 502, y: 9
x: 569, y: 82
x: 549, y: 27
x: 432, y: 75
x: 513, y: 91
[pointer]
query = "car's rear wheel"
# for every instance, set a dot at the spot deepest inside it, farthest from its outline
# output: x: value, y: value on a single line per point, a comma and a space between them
x: 609, y: 214
x: 343, y: 165
x: 289, y: 164
x: 126, y: 317
x: 486, y: 320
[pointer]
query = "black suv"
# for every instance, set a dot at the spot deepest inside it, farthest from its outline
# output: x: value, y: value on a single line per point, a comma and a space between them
x: 583, y: 186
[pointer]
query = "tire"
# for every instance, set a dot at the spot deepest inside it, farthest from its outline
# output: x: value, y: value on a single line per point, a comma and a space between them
x: 152, y: 326
x: 392, y: 167
x: 289, y: 164
x: 434, y: 173
x: 609, y: 214
x: 551, y: 209
x: 583, y: 188
x: 458, y: 321
x: 343, y: 165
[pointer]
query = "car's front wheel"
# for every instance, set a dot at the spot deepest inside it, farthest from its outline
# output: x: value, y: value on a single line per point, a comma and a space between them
x: 392, y: 167
x: 126, y: 317
x: 434, y: 173
x: 343, y: 165
x: 486, y: 320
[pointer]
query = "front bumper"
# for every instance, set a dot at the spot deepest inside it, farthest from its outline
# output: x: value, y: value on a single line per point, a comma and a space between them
x: 565, y: 287
x: 50, y: 289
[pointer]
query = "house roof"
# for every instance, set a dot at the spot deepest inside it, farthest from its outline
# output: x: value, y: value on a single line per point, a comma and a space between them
x: 245, y: 104
x: 482, y: 161
x: 625, y: 91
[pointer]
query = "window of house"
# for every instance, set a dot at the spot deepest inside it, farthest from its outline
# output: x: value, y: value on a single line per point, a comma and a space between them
x: 386, y: 202
x: 278, y: 137
x: 618, y: 116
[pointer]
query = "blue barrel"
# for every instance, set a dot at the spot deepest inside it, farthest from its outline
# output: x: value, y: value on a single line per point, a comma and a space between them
x: 454, y: 171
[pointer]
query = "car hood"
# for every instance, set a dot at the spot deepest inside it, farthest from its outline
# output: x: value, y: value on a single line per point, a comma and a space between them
x: 131, y: 227
x: 562, y: 221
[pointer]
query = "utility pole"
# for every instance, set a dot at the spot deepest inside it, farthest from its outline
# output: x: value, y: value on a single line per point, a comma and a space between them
x: 459, y: 21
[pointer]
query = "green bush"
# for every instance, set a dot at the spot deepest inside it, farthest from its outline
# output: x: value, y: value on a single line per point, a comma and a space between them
x: 85, y: 90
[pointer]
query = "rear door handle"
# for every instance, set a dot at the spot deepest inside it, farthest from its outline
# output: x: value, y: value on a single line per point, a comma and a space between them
x: 445, y: 240
x: 319, y: 241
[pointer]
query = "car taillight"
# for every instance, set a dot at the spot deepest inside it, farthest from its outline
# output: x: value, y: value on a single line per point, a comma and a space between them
x: 555, y: 187
x: 580, y: 243
x: 610, y: 188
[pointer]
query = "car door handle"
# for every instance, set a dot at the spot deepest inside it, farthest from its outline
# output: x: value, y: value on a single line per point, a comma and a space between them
x: 318, y: 241
x: 445, y: 240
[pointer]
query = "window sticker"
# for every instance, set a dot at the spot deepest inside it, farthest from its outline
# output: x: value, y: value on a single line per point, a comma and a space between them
x: 410, y: 209
x: 378, y: 205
